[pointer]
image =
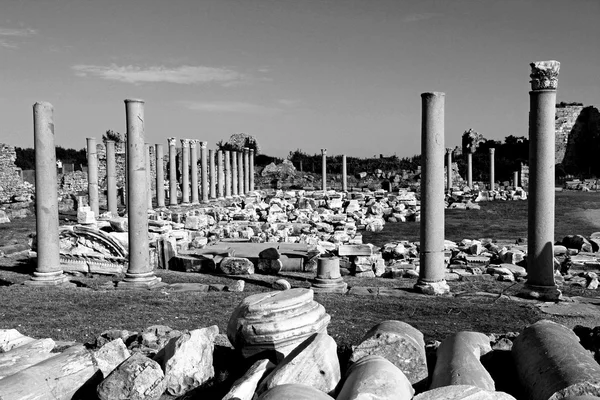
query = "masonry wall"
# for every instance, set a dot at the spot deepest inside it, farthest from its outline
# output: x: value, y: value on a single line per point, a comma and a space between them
x: 564, y: 122
x: 10, y: 177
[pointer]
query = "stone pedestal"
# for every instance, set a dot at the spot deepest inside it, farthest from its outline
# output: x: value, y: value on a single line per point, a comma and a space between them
x: 432, y: 272
x: 48, y: 271
x: 246, y: 170
x: 194, y: 169
x: 185, y: 171
x: 172, y: 172
x: 324, y: 169
x: 148, y: 175
x: 227, y: 174
x: 234, y: 173
x: 328, y: 277
x: 344, y: 175
x: 204, y: 171
x: 492, y: 170
x: 111, y: 178
x: 139, y: 273
x: 240, y: 173
x: 470, y: 169
x: 220, y: 175
x: 212, y: 173
x: 448, y: 169
x: 92, y: 159
x: 540, y: 224
x: 160, y: 175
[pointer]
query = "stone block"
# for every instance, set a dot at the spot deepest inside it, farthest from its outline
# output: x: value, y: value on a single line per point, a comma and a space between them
x: 137, y: 378
x: 236, y: 266
x: 245, y: 387
x: 111, y: 355
x: 119, y: 224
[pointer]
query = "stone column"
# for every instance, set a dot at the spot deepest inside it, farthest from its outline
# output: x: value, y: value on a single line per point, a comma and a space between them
x: 492, y: 169
x: 470, y: 169
x: 432, y: 271
x: 344, y: 175
x: 240, y: 173
x: 212, y: 173
x: 185, y: 171
x: 172, y: 172
x: 160, y: 175
x: 540, y: 224
x: 516, y: 179
x: 324, y: 169
x: 48, y: 271
x: 194, y: 167
x: 203, y: 172
x: 148, y: 175
x: 139, y: 272
x: 227, y: 174
x: 251, y: 171
x: 111, y: 178
x: 246, y: 170
x: 448, y: 169
x: 92, y: 159
x: 220, y: 175
x: 234, y: 173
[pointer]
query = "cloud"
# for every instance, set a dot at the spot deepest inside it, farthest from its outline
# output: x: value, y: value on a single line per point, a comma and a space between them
x: 17, y: 32
x: 8, y: 45
x: 185, y: 74
x: 288, y: 102
x: 419, y: 17
x: 231, y: 107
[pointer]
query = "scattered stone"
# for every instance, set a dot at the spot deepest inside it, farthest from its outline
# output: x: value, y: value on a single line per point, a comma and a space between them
x: 111, y: 355
x: 245, y: 387
x: 236, y: 266
x: 137, y: 378
x: 237, y: 286
x: 281, y: 284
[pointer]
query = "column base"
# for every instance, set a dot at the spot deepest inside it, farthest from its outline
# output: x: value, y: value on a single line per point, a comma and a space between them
x: 432, y: 288
x: 139, y: 281
x: 55, y: 278
x: 336, y: 285
x: 547, y: 293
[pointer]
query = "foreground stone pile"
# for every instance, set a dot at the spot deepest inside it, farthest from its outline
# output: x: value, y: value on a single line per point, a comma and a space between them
x: 278, y: 348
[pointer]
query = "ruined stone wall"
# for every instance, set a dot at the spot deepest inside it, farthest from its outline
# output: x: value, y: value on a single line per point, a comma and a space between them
x: 10, y: 177
x: 564, y: 122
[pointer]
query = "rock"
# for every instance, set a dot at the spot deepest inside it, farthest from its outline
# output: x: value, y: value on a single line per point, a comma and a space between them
x: 113, y: 334
x: 270, y: 253
x: 281, y: 284
x: 137, y: 378
x: 294, y: 391
x: 11, y: 338
x: 577, y: 242
x: 237, y: 286
x: 433, y: 288
x: 3, y: 217
x: 156, y: 337
x: 374, y: 377
x: 188, y: 360
x: 462, y: 392
x: 269, y: 266
x: 111, y: 355
x: 236, y: 266
x: 119, y: 224
x: 314, y: 363
x: 245, y: 387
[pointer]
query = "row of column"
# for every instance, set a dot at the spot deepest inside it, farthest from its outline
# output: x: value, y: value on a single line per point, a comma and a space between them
x: 470, y: 170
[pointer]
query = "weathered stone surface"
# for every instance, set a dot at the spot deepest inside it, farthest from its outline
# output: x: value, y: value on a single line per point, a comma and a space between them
x: 269, y: 266
x: 281, y: 284
x: 245, y: 387
x: 270, y: 253
x: 462, y: 392
x: 111, y: 355
x: 314, y: 362
x: 294, y: 391
x: 137, y: 378
x: 236, y: 266
x: 25, y: 356
x: 188, y: 360
x: 119, y: 224
x: 11, y: 338
x: 399, y: 343
x: 552, y: 364
x: 237, y: 286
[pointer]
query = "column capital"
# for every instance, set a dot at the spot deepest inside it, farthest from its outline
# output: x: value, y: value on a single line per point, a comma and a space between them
x: 492, y: 150
x: 544, y: 75
x: 172, y: 141
x: 203, y: 145
x: 193, y: 143
x: 185, y: 142
x: 251, y: 151
x: 324, y: 152
x: 449, y: 150
x: 246, y: 149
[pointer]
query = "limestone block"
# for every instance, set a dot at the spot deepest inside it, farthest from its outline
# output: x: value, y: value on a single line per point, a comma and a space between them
x: 188, y: 360
x: 85, y: 216
x: 314, y: 363
x: 111, y: 355
x: 25, y: 356
x: 294, y: 391
x: 11, y: 338
x: 399, y: 343
x: 458, y: 361
x: 552, y: 364
x: 119, y: 224
x: 276, y: 321
x: 462, y: 392
x: 137, y: 378
x: 245, y: 387
x: 237, y: 286
x: 374, y: 377
x: 236, y: 266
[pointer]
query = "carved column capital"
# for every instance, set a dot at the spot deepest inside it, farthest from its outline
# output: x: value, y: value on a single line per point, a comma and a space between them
x: 324, y: 152
x: 544, y: 75
x: 203, y: 145
x: 492, y: 150
x: 172, y: 141
x: 185, y: 142
x: 246, y: 150
x: 193, y: 143
x: 449, y: 150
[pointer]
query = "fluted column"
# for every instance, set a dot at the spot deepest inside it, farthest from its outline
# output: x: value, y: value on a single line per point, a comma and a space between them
x: 324, y: 169
x: 227, y: 174
x: 185, y: 171
x: 48, y: 271
x: 172, y: 171
x: 234, y: 173
x: 470, y: 169
x: 240, y: 173
x: 213, y: 174
x: 246, y: 170
x: 432, y: 271
x: 111, y: 178
x: 92, y: 160
x: 344, y: 175
x: 139, y: 271
x: 251, y: 171
x: 194, y: 169
x: 160, y: 175
x: 220, y: 175
x: 492, y: 169
x: 448, y: 169
x: 203, y: 171
x: 540, y: 226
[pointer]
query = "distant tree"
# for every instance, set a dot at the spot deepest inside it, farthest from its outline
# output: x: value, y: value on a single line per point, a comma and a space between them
x: 238, y: 141
x: 114, y: 136
x: 26, y: 157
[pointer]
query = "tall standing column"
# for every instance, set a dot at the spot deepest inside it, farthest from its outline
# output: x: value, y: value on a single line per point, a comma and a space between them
x: 227, y: 174
x: 251, y: 170
x: 185, y: 171
x: 516, y: 179
x: 203, y: 172
x: 160, y: 175
x: 194, y: 166
x: 448, y: 169
x: 139, y: 272
x: 324, y: 168
x: 47, y: 271
x: 470, y: 169
x: 344, y: 174
x: 92, y: 160
x: 432, y: 271
x: 220, y: 175
x: 492, y: 169
x: 234, y: 173
x: 240, y: 173
x: 540, y: 224
x: 246, y: 170
x: 172, y: 171
x: 111, y: 178
x: 148, y: 175
x: 212, y: 173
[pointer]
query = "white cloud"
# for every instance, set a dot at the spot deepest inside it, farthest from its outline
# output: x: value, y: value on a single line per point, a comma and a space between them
x: 288, y: 102
x: 185, y: 74
x: 17, y: 32
x: 8, y: 45
x: 420, y: 17
x: 231, y: 107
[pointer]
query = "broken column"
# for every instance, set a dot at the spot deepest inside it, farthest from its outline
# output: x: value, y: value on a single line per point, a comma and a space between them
x: 240, y: 173
x: 324, y: 169
x: 234, y: 173
x: 212, y: 173
x: 251, y: 171
x: 227, y: 174
x: 47, y: 271
x: 160, y: 175
x: 344, y: 175
x: 432, y: 271
x: 492, y: 169
x: 246, y: 170
x: 172, y: 172
x: 448, y: 169
x: 111, y: 178
x: 470, y: 168
x: 148, y: 175
x: 194, y: 169
x: 203, y: 172
x: 328, y: 278
x: 540, y: 224
x: 139, y: 271
x: 220, y: 175
x: 92, y: 160
x: 185, y: 171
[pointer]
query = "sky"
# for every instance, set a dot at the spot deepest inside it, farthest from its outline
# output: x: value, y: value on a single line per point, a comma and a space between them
x: 345, y: 75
